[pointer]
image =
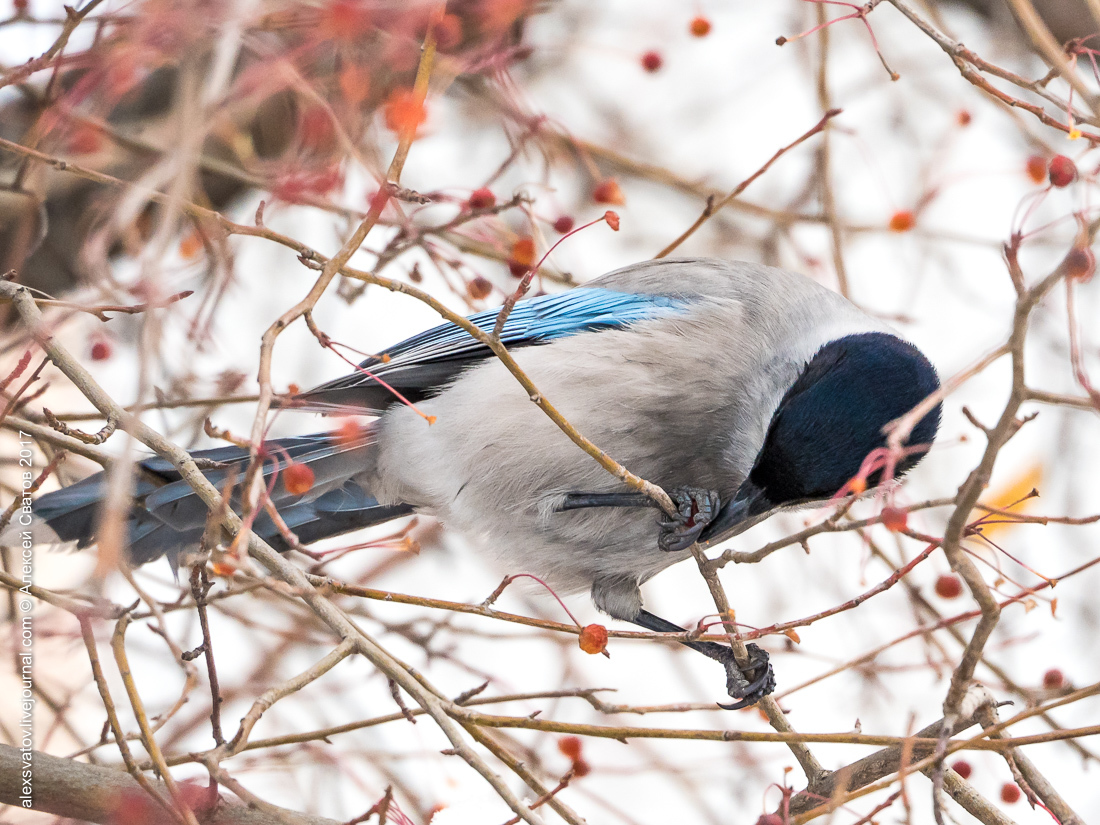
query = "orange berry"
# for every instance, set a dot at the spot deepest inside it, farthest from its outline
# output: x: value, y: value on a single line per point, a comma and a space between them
x: 652, y: 61
x: 354, y: 83
x: 297, y: 479
x: 523, y: 251
x: 344, y: 20
x: 963, y: 118
x: 349, y: 432
x: 522, y: 257
x: 949, y: 586
x: 902, y: 221
x: 857, y: 486
x: 1010, y: 793
x: 1062, y: 171
x: 570, y: 746
x: 894, y: 519
x: 222, y: 569
x: 700, y: 27
x: 404, y: 112
x: 612, y: 219
x: 191, y: 245
x: 1036, y: 168
x: 593, y: 638
x: 608, y: 192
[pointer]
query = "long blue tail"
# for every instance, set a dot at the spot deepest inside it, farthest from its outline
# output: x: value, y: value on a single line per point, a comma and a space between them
x: 167, y: 517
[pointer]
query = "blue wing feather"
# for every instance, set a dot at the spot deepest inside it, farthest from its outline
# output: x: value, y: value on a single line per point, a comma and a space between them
x: 425, y: 362
x: 541, y: 319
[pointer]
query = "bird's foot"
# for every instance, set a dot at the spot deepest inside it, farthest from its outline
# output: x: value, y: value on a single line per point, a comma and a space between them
x: 695, y: 509
x: 750, y: 684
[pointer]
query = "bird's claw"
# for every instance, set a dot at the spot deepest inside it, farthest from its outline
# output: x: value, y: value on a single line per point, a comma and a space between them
x: 750, y: 684
x: 695, y: 509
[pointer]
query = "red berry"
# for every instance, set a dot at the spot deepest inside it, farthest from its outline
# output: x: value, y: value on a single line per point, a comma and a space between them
x: 902, y: 221
x: 612, y: 219
x: 581, y: 768
x: 297, y: 479
x: 481, y: 198
x: 770, y: 819
x: 593, y: 638
x: 963, y: 118
x: 479, y: 288
x: 949, y: 586
x: 133, y: 807
x: 563, y: 224
x: 1062, y: 171
x: 1080, y: 264
x: 700, y: 27
x: 84, y: 140
x: 21, y: 6
x: 652, y: 61
x: 1053, y: 679
x: 570, y: 746
x: 1037, y: 168
x: 101, y: 351
x: 1010, y: 793
x: 315, y: 129
x: 962, y: 768
x: 894, y: 519
x: 198, y: 797
x: 608, y: 192
x: 448, y: 32
x: 379, y: 199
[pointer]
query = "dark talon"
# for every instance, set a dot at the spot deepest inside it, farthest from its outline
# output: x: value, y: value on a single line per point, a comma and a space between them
x: 749, y: 684
x: 696, y: 508
x: 738, y: 685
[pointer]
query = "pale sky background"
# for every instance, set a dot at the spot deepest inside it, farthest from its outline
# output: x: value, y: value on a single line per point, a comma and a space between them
x: 717, y: 109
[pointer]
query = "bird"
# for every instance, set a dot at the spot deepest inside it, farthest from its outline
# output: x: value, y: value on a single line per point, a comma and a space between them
x: 741, y: 389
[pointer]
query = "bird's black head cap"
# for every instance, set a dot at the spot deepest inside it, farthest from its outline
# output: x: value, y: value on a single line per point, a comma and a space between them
x: 832, y: 417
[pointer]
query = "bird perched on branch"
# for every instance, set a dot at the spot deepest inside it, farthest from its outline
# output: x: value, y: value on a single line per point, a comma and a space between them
x: 740, y: 389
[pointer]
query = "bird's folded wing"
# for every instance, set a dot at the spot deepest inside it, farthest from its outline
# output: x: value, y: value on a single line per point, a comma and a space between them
x: 426, y: 362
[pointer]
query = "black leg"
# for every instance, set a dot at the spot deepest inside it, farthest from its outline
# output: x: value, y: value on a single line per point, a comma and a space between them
x: 582, y: 501
x: 748, y: 686
x: 695, y: 509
